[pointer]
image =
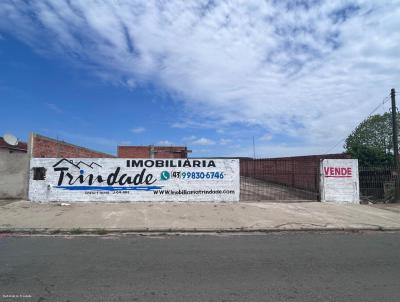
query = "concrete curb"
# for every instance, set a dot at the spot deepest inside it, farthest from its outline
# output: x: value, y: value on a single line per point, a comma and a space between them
x: 98, y: 231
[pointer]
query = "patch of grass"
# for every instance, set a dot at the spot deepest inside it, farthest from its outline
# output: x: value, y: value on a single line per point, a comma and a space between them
x: 101, y: 232
x: 53, y: 232
x: 34, y: 232
x: 76, y: 231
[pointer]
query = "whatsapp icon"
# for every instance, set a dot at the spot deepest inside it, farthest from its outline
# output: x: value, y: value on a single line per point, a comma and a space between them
x: 164, y: 175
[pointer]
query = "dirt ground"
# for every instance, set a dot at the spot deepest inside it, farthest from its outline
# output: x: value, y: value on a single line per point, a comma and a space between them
x: 253, y: 189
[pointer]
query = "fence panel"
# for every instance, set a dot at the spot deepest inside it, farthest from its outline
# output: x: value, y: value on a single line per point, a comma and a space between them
x: 377, y: 184
x: 279, y: 179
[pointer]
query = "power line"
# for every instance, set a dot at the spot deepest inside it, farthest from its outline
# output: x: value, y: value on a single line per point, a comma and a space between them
x: 381, y: 103
x: 384, y: 101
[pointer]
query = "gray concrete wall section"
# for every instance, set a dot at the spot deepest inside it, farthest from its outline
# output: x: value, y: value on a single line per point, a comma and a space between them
x: 14, y: 168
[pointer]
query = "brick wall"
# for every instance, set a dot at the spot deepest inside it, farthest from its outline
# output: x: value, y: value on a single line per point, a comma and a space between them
x: 158, y: 151
x: 42, y: 146
x: 300, y: 172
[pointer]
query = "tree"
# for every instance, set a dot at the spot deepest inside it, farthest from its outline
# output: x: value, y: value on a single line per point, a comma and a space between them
x: 371, y: 141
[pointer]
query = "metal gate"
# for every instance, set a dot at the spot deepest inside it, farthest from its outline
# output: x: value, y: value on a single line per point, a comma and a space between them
x: 378, y: 184
x: 283, y: 180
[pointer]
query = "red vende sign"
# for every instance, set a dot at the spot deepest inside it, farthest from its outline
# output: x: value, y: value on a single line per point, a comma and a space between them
x: 338, y: 172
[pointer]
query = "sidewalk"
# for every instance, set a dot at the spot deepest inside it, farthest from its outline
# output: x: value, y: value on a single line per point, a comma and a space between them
x: 24, y: 216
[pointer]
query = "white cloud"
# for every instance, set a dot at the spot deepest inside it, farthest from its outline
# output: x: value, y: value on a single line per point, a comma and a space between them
x: 225, y: 141
x: 138, y: 130
x: 202, y: 141
x: 203, y: 151
x: 178, y: 125
x: 311, y: 72
x: 165, y: 143
x: 189, y: 138
x: 276, y: 150
x: 198, y: 141
x: 54, y: 107
x: 266, y: 137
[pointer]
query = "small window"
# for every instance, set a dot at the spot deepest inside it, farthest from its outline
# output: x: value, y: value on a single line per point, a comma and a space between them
x: 39, y: 173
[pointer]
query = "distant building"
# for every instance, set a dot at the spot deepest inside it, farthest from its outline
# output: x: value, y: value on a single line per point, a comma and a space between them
x: 153, y: 151
x: 20, y: 147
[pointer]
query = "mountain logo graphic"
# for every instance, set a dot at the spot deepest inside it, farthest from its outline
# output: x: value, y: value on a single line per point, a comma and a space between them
x: 77, y: 165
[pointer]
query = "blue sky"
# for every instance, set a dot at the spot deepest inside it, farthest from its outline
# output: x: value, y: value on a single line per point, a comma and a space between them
x: 296, y: 75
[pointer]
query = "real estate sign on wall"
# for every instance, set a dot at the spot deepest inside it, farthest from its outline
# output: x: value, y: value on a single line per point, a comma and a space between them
x: 120, y: 180
x: 339, y: 180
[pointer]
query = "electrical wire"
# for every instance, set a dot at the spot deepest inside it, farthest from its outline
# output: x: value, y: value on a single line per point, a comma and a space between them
x: 381, y: 103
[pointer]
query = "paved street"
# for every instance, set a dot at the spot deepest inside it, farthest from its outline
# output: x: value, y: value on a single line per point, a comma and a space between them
x: 273, y: 267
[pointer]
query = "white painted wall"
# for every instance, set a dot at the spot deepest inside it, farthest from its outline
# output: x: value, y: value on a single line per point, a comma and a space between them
x: 340, y: 181
x: 203, y: 187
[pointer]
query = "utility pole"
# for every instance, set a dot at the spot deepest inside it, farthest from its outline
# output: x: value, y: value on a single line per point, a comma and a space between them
x: 394, y: 125
x: 254, y: 149
x: 254, y: 158
x: 395, y: 144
